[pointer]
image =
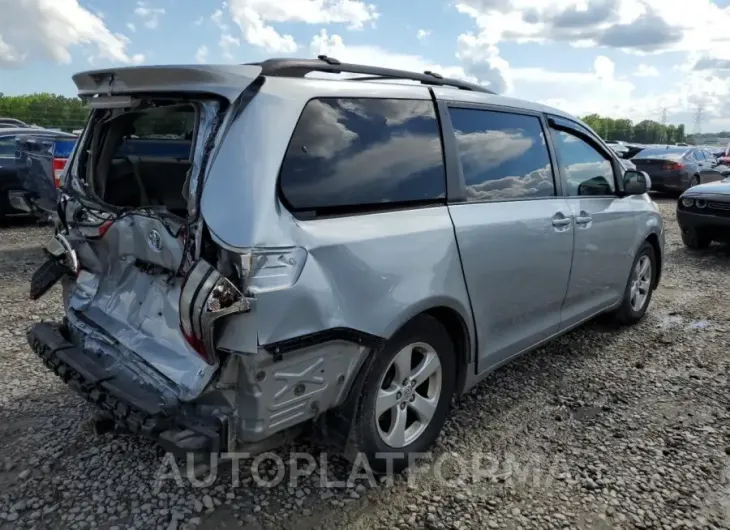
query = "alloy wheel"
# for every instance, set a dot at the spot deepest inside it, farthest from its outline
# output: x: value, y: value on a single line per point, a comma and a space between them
x: 640, y: 283
x: 408, y: 394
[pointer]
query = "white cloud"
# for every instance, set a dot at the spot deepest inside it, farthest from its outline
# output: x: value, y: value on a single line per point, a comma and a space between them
x: 150, y: 15
x: 646, y: 70
x: 482, y: 60
x: 423, y: 34
x: 50, y: 29
x: 201, y: 55
x: 334, y: 46
x: 199, y: 21
x: 9, y: 55
x: 217, y: 19
x: 644, y: 26
x: 255, y: 18
x: 131, y: 27
x: 228, y: 44
x: 681, y: 98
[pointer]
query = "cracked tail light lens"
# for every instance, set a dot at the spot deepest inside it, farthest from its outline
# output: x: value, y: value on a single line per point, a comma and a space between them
x: 205, y: 296
x: 272, y: 269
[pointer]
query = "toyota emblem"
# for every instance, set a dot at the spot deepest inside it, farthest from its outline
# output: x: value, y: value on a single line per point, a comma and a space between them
x: 155, y: 240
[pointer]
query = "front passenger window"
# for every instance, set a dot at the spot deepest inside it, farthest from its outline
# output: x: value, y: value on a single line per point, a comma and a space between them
x: 587, y: 171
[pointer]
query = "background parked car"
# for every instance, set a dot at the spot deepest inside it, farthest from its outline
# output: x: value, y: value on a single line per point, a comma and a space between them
x: 677, y: 168
x: 624, y: 150
x: 703, y: 214
x: 724, y: 158
x: 12, y: 189
x: 40, y: 158
x: 633, y: 149
x: 11, y: 123
x: 618, y: 147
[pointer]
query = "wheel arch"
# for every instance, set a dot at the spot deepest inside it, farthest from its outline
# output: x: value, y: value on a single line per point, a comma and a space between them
x: 653, y: 240
x: 337, y: 427
x: 460, y: 337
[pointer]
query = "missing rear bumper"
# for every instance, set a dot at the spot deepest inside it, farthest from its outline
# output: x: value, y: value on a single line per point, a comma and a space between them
x: 115, y: 390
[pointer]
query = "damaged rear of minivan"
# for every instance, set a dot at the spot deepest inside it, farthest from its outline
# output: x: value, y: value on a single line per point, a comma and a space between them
x: 247, y: 252
x: 145, y: 289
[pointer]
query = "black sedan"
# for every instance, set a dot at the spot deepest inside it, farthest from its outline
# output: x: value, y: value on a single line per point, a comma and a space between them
x: 10, y: 183
x: 703, y: 214
x: 677, y: 168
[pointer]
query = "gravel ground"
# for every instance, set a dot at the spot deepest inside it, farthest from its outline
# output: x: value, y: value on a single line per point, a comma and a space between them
x: 600, y: 429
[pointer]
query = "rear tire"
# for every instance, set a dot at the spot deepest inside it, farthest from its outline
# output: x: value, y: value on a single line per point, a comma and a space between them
x: 407, y: 395
x: 695, y: 239
x: 639, y: 287
x: 695, y: 181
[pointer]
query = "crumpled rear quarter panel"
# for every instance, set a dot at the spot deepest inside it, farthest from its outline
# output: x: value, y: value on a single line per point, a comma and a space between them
x: 137, y: 309
x: 371, y: 273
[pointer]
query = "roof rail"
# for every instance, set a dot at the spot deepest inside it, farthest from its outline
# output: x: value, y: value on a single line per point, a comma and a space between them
x: 302, y: 67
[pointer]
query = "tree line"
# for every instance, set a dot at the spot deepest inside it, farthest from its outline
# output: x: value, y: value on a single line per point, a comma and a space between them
x: 45, y: 110
x: 644, y: 132
x: 68, y: 114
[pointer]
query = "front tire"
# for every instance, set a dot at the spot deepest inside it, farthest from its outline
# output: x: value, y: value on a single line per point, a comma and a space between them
x: 639, y: 288
x: 695, y: 239
x: 407, y: 395
x: 695, y: 181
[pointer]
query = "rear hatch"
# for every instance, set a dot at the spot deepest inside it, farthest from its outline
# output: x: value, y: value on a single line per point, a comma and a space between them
x: 141, y: 284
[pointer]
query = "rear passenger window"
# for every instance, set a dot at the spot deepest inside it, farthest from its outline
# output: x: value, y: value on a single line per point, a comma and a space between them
x: 503, y: 155
x: 364, y: 154
x: 587, y: 171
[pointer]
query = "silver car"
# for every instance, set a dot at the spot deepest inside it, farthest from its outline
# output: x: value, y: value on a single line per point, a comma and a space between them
x: 249, y: 251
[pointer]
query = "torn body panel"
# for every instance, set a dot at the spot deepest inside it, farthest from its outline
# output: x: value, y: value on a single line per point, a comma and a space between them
x: 131, y: 292
x: 272, y: 393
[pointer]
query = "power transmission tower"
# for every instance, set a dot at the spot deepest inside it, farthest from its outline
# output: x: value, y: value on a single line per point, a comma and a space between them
x: 698, y: 119
x: 663, y: 135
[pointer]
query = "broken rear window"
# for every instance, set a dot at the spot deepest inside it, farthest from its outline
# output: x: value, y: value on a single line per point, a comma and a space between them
x: 142, y: 157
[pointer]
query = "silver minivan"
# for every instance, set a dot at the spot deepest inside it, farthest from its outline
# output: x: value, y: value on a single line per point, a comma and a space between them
x: 250, y: 251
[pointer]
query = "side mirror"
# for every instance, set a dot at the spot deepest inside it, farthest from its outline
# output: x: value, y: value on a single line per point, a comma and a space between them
x: 636, y: 182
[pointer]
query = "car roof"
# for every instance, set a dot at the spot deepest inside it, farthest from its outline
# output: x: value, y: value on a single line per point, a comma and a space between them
x: 228, y: 80
x: 666, y: 148
x: 15, y: 131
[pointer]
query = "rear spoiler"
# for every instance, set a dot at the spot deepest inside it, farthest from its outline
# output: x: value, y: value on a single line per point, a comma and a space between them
x: 227, y: 81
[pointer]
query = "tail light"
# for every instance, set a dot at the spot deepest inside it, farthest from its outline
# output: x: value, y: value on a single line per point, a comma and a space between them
x: 58, y: 165
x: 672, y: 166
x: 206, y: 296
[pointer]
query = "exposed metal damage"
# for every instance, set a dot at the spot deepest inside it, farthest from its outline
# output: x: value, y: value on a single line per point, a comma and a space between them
x: 164, y: 322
